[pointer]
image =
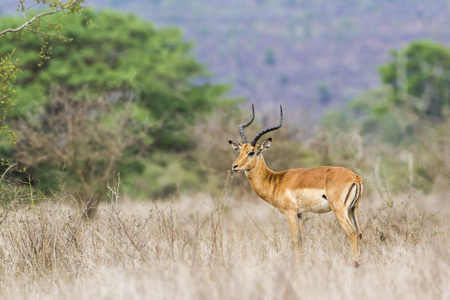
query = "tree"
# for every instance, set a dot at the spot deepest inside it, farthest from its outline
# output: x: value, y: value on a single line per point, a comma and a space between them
x: 126, y: 58
x: 82, y: 141
x: 416, y: 90
x: 419, y: 77
x: 147, y: 75
x: 31, y: 23
x: 405, y: 121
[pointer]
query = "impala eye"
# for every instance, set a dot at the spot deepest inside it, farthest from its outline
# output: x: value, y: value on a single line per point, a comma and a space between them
x: 251, y: 153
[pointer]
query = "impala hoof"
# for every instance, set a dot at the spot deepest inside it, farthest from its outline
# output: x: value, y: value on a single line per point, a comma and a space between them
x: 356, y: 265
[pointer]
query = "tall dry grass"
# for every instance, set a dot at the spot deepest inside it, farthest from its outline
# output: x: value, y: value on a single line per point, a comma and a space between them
x: 198, y: 247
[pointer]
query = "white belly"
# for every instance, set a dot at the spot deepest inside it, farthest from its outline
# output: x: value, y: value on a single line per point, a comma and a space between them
x: 310, y: 200
x: 321, y: 208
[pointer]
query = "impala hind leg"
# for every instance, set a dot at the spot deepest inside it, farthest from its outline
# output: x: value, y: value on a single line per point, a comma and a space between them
x: 352, y: 233
x: 343, y: 201
x: 353, y: 215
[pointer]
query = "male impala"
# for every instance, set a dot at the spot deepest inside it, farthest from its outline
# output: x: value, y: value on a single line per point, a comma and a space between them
x: 295, y: 191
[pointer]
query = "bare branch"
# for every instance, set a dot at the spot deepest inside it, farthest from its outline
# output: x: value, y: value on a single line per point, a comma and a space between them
x: 4, y: 173
x: 28, y: 23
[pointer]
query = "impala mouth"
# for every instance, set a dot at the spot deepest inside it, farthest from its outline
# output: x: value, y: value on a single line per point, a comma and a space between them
x: 235, y: 168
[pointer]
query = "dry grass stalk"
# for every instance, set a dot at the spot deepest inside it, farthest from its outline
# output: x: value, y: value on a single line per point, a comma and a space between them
x: 203, y: 248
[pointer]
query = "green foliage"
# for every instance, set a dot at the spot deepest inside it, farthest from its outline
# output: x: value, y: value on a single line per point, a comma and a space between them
x: 404, y: 123
x: 8, y: 75
x: 269, y: 57
x: 324, y: 94
x: 162, y: 175
x: 124, y: 57
x: 121, y: 96
x: 32, y: 23
x: 418, y: 76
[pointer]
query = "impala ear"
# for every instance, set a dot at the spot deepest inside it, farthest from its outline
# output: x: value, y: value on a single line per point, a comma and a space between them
x: 235, y: 145
x: 265, y: 145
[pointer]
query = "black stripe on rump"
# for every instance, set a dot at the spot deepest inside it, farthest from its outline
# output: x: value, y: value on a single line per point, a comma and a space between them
x: 348, y: 194
x: 357, y: 196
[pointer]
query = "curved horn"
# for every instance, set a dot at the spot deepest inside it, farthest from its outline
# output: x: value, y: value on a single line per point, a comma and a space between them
x: 242, y: 126
x: 262, y: 132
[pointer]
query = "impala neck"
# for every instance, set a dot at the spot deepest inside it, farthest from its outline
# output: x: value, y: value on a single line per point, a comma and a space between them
x: 262, y: 179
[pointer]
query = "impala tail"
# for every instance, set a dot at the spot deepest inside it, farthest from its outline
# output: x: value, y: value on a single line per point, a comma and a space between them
x: 356, y: 190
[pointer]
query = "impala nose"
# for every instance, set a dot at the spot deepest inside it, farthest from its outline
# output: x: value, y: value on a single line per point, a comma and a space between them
x: 235, y: 167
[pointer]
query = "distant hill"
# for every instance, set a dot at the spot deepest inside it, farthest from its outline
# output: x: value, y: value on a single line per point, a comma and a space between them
x: 301, y: 53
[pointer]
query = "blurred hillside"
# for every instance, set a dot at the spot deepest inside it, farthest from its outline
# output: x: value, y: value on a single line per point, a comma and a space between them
x: 316, y: 54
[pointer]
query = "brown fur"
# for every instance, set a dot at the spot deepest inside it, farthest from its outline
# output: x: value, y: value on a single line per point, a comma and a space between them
x: 295, y: 191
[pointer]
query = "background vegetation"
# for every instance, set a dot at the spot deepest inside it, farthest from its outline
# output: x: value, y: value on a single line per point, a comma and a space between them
x: 121, y: 96
x: 32, y: 23
x: 115, y: 109
x: 406, y: 120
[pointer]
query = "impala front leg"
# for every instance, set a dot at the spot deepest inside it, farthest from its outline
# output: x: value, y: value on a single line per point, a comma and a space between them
x: 294, y: 223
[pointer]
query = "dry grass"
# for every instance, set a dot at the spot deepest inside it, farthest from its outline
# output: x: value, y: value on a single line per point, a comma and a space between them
x: 200, y: 248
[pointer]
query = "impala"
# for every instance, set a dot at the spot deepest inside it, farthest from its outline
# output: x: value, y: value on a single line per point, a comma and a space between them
x: 295, y: 191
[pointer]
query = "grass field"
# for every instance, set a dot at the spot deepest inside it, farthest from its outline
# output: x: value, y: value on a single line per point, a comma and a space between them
x: 196, y: 247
